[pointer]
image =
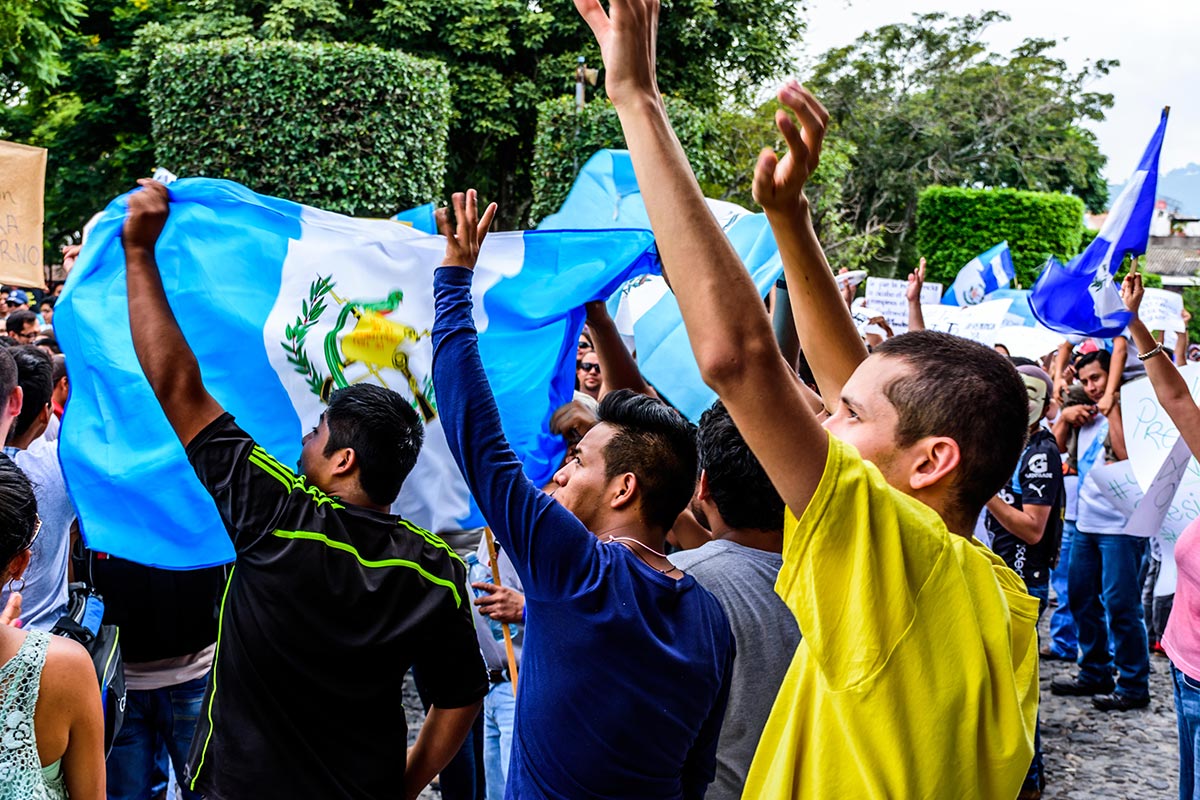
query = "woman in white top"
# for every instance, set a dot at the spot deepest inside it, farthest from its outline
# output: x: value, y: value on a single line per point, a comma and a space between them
x: 51, y: 720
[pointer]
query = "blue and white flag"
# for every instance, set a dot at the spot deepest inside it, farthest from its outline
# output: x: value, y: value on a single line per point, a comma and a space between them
x: 1081, y: 297
x: 985, y: 273
x: 282, y: 303
x: 606, y: 195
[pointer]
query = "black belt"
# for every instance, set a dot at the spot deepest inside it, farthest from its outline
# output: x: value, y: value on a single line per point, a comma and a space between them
x: 497, y: 675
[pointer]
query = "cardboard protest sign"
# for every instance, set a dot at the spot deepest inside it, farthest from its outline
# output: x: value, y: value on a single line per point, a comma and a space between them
x: 22, y: 194
x: 888, y: 296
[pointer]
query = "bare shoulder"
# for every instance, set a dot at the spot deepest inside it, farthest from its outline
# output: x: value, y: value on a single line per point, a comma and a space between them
x: 69, y: 674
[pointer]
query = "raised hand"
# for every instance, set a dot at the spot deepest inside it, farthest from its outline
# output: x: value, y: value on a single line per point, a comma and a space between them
x: 465, y: 235
x: 627, y: 36
x: 916, y: 280
x: 779, y: 182
x: 147, y: 214
x: 1132, y: 290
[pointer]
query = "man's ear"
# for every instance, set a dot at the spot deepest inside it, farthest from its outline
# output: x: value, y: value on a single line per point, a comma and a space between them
x: 702, y: 491
x: 937, y: 457
x: 346, y: 461
x: 15, y: 401
x: 625, y: 488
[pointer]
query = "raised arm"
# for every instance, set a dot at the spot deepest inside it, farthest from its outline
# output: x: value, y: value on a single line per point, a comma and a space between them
x: 617, y: 366
x: 517, y: 511
x: 725, y: 318
x: 1116, y: 369
x: 1169, y: 386
x: 916, y: 282
x: 167, y: 361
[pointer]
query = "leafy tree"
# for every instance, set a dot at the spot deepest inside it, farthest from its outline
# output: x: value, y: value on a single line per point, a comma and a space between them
x: 925, y: 103
x: 31, y: 33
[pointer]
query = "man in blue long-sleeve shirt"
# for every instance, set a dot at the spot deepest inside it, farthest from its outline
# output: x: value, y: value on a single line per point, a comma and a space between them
x: 626, y: 663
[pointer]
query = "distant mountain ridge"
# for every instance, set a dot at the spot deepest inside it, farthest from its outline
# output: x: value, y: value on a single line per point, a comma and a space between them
x: 1180, y: 186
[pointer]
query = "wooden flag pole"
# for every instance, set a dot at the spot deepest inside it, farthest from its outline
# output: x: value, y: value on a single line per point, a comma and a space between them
x: 508, y: 642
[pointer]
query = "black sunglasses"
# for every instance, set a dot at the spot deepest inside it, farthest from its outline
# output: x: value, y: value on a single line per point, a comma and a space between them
x: 590, y: 367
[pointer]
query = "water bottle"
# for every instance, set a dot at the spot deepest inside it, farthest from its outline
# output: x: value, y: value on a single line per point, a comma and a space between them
x: 478, y: 573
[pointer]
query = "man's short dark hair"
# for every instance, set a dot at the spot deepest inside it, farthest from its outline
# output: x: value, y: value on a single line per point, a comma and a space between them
x: 8, y: 376
x: 1101, y: 356
x: 970, y: 393
x: 17, y: 320
x: 60, y: 368
x: 737, y: 482
x: 34, y: 372
x: 382, y: 429
x: 655, y: 443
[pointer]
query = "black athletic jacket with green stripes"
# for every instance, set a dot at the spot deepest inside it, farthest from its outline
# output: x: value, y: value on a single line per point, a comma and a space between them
x: 326, y: 608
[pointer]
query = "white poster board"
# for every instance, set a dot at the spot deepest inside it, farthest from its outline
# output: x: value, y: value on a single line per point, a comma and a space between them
x: 889, y: 297
x: 979, y: 322
x: 1162, y: 311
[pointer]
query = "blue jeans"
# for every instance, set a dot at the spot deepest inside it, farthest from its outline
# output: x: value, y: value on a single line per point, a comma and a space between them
x: 1187, y: 716
x: 499, y: 712
x: 1103, y: 578
x: 1062, y: 626
x: 168, y: 715
x: 1035, y: 779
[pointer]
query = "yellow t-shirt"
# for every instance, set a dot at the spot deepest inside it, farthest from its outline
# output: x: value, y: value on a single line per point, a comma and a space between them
x: 917, y: 676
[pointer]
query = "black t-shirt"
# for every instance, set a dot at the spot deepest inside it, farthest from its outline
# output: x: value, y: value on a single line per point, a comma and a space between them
x: 326, y: 608
x: 1038, y: 481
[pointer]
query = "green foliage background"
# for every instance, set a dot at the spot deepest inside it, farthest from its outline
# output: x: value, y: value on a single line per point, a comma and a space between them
x: 353, y: 129
x: 954, y: 225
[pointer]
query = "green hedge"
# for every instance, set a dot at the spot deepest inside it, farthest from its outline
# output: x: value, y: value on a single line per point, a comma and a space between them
x: 353, y: 129
x: 566, y: 140
x: 955, y: 225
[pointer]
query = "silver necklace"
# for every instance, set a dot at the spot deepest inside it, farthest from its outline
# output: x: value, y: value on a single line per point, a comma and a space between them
x: 627, y: 540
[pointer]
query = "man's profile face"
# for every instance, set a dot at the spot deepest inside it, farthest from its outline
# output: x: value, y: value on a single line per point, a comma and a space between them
x: 865, y: 418
x: 581, y: 482
x: 28, y: 333
x: 1094, y: 379
x: 314, y: 465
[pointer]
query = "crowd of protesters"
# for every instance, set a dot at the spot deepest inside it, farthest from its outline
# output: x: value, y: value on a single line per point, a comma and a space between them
x: 830, y: 587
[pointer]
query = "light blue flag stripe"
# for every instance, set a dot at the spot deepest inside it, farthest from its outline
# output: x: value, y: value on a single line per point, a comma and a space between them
x: 606, y: 195
x: 226, y: 256
x: 1081, y: 297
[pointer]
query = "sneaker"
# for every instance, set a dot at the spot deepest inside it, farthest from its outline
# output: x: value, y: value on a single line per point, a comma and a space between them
x: 1073, y: 687
x: 1119, y: 701
x: 1050, y: 654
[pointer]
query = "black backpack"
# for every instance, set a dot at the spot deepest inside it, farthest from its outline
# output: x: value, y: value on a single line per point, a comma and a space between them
x: 83, y: 623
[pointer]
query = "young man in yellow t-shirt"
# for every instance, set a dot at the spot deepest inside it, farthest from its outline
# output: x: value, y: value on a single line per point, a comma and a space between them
x: 917, y: 674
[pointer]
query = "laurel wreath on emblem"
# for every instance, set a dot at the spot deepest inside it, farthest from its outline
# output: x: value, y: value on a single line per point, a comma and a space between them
x: 310, y: 311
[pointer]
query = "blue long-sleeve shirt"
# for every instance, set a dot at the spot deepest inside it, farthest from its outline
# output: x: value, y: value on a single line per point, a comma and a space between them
x: 625, y: 671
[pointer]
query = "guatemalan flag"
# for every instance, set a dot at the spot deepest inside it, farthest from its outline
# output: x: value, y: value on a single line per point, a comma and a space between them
x: 283, y: 303
x: 606, y: 195
x: 1081, y: 297
x: 985, y: 273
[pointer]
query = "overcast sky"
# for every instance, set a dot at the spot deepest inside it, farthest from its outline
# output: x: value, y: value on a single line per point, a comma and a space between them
x: 1157, y: 43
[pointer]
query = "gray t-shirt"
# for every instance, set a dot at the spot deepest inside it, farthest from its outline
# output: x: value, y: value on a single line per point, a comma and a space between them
x: 766, y: 636
x: 44, y: 598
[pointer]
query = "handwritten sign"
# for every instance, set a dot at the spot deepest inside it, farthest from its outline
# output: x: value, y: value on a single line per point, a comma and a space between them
x: 1162, y: 311
x: 889, y: 297
x: 1162, y: 463
x: 979, y: 322
x: 22, y: 195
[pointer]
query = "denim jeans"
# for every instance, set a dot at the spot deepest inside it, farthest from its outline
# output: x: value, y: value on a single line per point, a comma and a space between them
x: 1063, y: 640
x: 152, y: 716
x: 1035, y: 778
x: 499, y: 712
x: 1187, y: 717
x: 1103, y: 578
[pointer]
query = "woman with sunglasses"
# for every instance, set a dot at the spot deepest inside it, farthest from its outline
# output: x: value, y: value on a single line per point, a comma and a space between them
x: 1181, y: 639
x: 51, y: 720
